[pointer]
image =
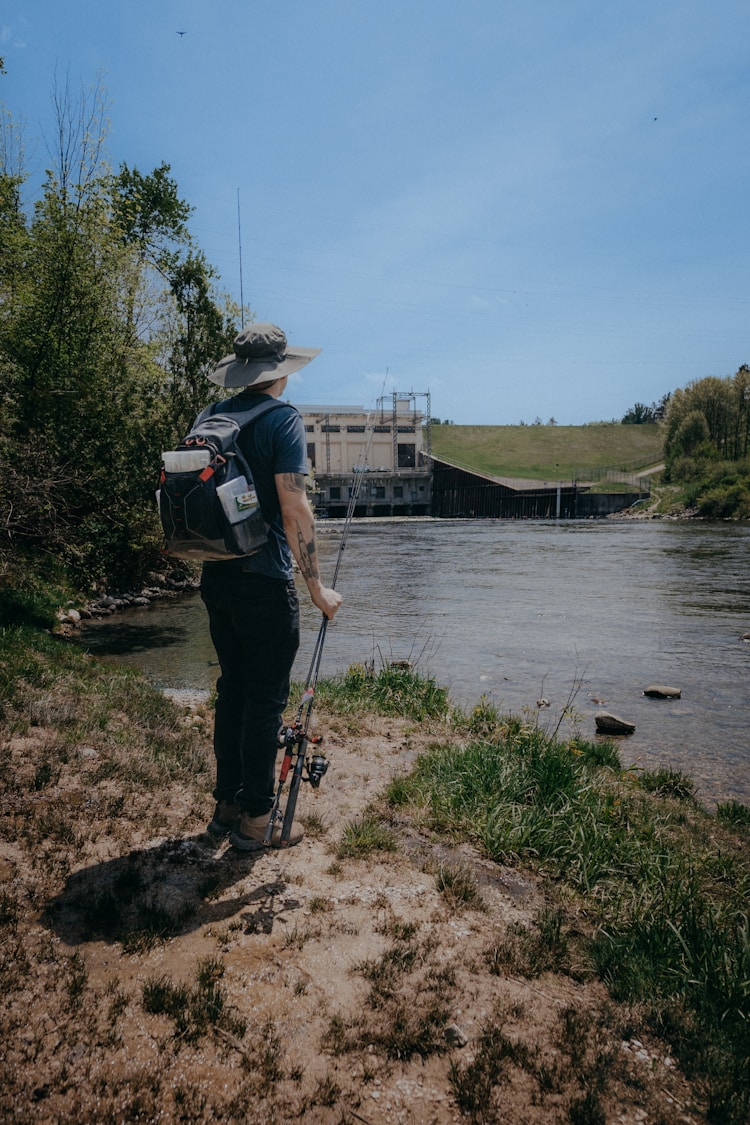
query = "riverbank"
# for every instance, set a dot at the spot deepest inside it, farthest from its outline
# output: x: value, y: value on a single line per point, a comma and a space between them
x: 402, y: 964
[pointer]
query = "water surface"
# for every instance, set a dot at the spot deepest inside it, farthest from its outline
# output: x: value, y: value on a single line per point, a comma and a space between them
x: 520, y: 611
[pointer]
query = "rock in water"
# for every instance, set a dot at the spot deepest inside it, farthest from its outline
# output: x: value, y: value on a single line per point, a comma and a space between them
x: 611, y: 724
x: 660, y: 691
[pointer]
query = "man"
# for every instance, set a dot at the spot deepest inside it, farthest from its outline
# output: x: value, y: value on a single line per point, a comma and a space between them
x: 252, y: 601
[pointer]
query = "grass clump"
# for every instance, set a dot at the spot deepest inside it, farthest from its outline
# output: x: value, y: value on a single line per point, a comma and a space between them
x: 733, y: 812
x: 458, y: 886
x: 408, y: 1004
x: 396, y: 689
x: 363, y: 836
x: 529, y: 952
x: 665, y: 892
x: 195, y: 1009
x: 668, y: 782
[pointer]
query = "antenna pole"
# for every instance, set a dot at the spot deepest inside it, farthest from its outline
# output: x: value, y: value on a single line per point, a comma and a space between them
x: 239, y: 239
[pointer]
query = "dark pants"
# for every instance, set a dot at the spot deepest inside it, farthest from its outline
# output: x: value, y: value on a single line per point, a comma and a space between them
x: 254, y: 623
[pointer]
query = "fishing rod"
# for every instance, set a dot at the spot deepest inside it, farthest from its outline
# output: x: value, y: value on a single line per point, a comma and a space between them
x: 296, y: 738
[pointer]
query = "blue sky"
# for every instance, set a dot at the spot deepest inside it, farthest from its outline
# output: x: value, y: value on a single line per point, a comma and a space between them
x: 531, y: 210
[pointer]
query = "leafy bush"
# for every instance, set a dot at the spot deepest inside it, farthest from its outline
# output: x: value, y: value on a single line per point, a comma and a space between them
x: 728, y: 501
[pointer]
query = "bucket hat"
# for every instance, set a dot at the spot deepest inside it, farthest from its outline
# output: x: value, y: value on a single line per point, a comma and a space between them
x: 260, y: 354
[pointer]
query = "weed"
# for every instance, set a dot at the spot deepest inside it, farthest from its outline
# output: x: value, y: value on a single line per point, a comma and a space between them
x: 77, y: 979
x: 475, y: 1085
x: 575, y: 1026
x: 532, y: 951
x: 265, y: 1060
x: 45, y: 775
x: 397, y: 928
x: 394, y: 690
x: 9, y: 909
x: 319, y: 904
x: 152, y: 925
x: 195, y: 1011
x: 457, y: 883
x: 413, y: 1029
x: 484, y: 720
x: 668, y: 782
x: 118, y: 1002
x: 326, y: 1093
x: 668, y: 900
x: 597, y: 754
x: 210, y: 885
x: 364, y: 836
x: 398, y: 792
x: 384, y: 974
x: 314, y: 825
x: 337, y: 1039
x: 587, y: 1110
x: 408, y: 1002
x: 733, y: 812
x: 298, y: 936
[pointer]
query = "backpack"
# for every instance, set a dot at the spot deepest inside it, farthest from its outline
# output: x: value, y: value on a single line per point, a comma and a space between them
x: 207, y: 500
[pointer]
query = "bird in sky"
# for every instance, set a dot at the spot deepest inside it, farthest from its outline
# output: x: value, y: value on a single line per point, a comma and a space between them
x: 180, y: 33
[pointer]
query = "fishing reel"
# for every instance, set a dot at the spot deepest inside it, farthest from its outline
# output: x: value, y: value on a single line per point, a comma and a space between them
x: 317, y: 766
x: 287, y: 736
x: 292, y: 739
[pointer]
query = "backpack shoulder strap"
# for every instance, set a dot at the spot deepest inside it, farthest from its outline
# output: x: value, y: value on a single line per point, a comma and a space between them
x: 241, y: 417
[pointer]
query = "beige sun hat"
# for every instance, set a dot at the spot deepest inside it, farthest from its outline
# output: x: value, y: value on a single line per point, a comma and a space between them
x: 261, y: 354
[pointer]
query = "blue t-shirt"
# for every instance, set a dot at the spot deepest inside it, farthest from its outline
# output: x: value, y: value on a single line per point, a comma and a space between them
x: 274, y: 443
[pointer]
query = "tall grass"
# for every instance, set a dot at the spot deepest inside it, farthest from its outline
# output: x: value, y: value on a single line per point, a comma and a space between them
x: 665, y: 889
x: 395, y: 689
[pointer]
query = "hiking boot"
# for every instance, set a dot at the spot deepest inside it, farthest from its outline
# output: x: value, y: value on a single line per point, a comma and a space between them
x: 225, y: 819
x: 250, y: 835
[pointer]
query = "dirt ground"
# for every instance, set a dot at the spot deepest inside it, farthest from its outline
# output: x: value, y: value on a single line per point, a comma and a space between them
x: 292, y: 985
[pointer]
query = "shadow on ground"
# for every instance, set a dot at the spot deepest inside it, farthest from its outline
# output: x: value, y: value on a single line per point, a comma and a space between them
x: 155, y: 893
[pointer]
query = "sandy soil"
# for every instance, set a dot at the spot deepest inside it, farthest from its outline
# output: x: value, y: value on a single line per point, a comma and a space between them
x: 334, y: 989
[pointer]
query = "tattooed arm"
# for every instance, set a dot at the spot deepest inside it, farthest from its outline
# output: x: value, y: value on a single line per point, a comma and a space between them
x: 300, y: 533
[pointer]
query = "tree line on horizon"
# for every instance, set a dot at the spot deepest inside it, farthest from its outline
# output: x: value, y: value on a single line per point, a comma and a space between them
x: 110, y: 320
x: 707, y: 444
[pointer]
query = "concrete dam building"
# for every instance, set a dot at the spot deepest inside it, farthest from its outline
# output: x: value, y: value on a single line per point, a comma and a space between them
x: 391, y: 448
x: 386, y: 444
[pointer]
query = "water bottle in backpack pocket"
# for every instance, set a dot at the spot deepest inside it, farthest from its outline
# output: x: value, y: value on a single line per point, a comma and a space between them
x: 240, y: 503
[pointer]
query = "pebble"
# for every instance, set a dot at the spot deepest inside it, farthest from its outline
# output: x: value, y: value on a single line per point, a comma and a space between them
x: 454, y: 1036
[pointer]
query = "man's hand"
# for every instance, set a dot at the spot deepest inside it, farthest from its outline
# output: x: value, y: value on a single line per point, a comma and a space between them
x: 327, y: 600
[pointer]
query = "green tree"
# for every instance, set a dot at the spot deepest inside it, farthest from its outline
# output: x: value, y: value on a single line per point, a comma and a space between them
x: 201, y: 333
x: 91, y: 389
x: 639, y: 414
x: 708, y: 441
x: 151, y: 216
x: 723, y: 432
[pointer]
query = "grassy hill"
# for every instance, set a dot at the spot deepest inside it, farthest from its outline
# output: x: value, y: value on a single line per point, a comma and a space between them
x: 548, y: 452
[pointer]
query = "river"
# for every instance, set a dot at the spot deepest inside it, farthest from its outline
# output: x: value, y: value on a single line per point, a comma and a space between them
x: 523, y: 611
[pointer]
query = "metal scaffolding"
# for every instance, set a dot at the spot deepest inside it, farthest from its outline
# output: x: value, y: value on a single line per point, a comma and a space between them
x: 410, y: 397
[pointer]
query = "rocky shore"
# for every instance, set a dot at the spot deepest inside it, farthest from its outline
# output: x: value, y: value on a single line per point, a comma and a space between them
x: 159, y: 587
